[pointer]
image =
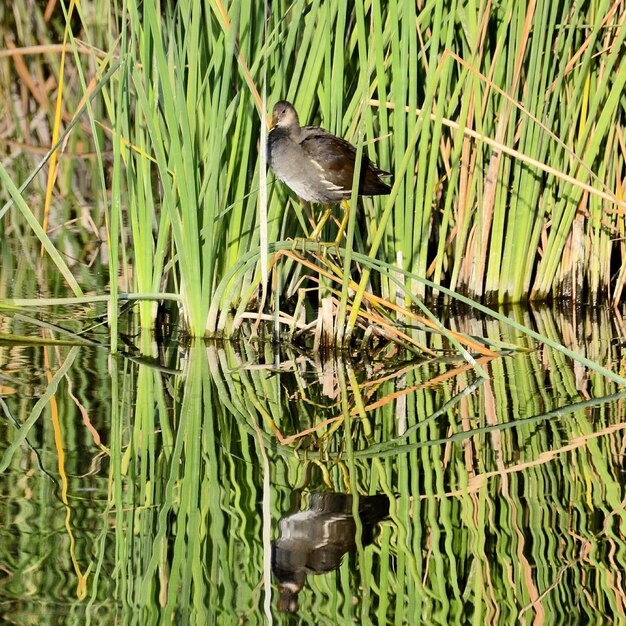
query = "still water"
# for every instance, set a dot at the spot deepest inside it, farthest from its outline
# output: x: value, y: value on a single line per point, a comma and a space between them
x: 238, y: 483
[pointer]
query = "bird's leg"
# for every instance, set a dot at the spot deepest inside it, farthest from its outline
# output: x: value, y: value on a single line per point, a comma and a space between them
x: 318, y: 229
x: 342, y: 227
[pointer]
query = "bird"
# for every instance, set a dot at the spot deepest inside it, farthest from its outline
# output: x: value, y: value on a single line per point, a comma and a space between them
x: 314, y: 540
x: 315, y: 164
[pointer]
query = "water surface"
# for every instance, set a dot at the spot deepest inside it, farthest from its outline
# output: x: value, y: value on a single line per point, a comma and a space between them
x: 150, y: 488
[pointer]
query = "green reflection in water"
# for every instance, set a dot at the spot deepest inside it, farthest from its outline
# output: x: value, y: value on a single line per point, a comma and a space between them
x: 133, y: 493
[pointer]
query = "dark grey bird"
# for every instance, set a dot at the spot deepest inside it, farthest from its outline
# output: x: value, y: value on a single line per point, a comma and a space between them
x: 315, y: 164
x: 313, y: 541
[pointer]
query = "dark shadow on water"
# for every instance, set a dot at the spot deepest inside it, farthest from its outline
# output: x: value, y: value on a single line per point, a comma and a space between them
x: 314, y: 540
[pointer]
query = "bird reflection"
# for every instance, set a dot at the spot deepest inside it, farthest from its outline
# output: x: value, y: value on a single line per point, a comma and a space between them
x: 314, y: 540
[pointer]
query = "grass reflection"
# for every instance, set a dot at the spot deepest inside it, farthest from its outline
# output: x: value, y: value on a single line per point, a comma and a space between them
x: 144, y: 488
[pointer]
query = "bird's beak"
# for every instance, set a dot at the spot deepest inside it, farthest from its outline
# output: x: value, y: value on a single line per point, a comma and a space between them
x: 274, y: 121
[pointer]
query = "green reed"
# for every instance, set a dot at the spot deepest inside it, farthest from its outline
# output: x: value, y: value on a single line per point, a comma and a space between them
x: 500, y: 124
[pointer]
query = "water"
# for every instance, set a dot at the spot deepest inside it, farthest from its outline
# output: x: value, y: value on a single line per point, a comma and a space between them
x: 149, y: 488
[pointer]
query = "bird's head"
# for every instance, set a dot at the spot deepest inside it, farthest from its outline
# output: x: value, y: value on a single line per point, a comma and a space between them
x: 284, y: 115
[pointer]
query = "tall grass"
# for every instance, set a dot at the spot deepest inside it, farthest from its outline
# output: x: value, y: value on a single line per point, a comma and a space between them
x: 502, y: 124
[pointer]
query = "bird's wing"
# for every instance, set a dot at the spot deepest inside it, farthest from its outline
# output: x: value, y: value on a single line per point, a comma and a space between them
x: 334, y: 156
